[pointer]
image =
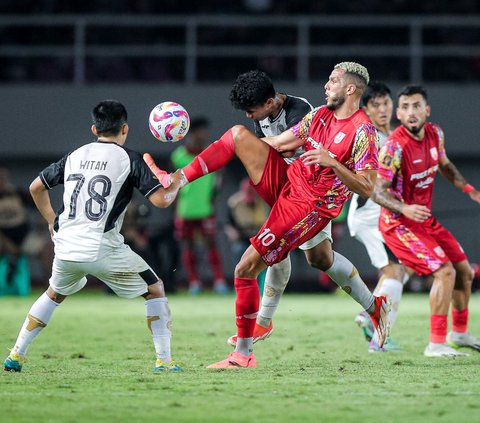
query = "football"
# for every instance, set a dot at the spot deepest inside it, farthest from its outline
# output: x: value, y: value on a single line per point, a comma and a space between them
x: 169, y: 121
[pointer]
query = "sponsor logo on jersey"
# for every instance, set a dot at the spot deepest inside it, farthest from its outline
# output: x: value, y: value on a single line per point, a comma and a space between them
x: 423, y: 174
x: 339, y: 138
x: 417, y: 161
x: 425, y: 183
x: 434, y: 153
x: 439, y: 252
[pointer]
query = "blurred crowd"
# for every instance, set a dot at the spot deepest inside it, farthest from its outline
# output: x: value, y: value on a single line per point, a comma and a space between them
x: 157, y: 68
x: 244, y: 6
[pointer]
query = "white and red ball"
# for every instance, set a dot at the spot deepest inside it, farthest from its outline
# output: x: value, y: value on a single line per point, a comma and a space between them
x: 169, y: 122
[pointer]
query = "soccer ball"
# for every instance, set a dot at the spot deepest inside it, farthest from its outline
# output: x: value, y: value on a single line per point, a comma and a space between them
x: 169, y: 122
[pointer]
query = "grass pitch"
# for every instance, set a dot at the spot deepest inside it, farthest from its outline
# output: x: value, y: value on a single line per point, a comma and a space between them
x: 93, y: 364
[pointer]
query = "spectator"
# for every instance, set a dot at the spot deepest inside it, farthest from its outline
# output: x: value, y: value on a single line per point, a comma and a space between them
x: 14, y: 227
x: 195, y: 213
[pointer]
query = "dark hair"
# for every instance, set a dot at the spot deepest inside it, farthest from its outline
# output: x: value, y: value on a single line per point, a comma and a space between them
x: 199, y: 122
x: 375, y: 89
x: 251, y: 89
x: 108, y: 117
x: 409, y: 90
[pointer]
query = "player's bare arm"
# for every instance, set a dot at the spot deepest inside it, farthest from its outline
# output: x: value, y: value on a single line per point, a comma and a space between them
x: 382, y: 196
x: 453, y: 175
x: 361, y: 182
x: 42, y: 201
x: 164, y: 197
x: 285, y: 142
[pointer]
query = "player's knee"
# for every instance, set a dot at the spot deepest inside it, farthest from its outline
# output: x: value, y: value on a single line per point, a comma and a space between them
x: 320, y: 261
x: 239, y: 132
x: 448, y: 273
x: 246, y: 268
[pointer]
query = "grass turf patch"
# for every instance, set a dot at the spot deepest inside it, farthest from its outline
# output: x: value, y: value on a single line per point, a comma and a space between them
x: 93, y: 363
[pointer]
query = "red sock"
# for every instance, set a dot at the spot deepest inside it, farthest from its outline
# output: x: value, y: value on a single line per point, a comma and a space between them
x: 438, y: 328
x: 212, y: 158
x: 216, y: 263
x: 246, y: 305
x: 459, y: 320
x: 190, y: 262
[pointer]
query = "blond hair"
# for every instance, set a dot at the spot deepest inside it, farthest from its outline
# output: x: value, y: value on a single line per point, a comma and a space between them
x: 356, y: 70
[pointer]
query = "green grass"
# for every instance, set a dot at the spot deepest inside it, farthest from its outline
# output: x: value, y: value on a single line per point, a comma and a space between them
x: 93, y: 364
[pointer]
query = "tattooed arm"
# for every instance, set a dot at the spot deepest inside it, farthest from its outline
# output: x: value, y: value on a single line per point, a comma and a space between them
x: 452, y: 174
x: 382, y: 196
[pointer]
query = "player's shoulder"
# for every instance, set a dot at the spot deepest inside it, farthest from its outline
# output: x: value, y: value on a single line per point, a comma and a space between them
x: 398, y: 138
x: 293, y: 102
x: 434, y: 128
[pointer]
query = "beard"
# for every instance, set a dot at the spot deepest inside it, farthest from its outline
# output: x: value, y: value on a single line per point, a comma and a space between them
x: 415, y: 129
x: 336, y: 102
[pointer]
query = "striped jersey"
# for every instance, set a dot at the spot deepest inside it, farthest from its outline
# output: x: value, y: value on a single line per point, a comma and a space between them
x: 292, y: 112
x: 98, y: 180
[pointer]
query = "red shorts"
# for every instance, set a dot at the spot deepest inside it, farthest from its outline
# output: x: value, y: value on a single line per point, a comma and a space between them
x: 185, y: 229
x: 289, y: 224
x: 273, y: 178
x: 424, y: 247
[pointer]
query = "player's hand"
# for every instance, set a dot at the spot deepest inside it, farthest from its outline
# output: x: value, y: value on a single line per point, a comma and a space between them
x: 320, y: 157
x: 162, y: 176
x: 475, y: 195
x: 416, y: 212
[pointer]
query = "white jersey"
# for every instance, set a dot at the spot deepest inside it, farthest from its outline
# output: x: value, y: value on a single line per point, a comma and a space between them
x: 292, y: 112
x: 98, y: 180
x: 364, y: 212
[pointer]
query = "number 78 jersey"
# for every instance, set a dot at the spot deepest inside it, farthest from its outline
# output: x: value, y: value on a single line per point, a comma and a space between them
x: 98, y: 180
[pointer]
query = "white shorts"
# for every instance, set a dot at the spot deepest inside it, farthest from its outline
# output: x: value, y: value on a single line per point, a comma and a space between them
x: 325, y: 233
x: 123, y: 270
x: 363, y: 226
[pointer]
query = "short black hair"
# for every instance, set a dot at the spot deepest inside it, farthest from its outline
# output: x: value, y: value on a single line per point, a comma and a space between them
x: 199, y: 122
x: 375, y: 89
x: 108, y: 117
x: 411, y: 89
x: 251, y: 89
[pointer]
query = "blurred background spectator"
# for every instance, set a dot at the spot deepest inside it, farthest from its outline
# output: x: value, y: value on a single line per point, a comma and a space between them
x: 195, y: 220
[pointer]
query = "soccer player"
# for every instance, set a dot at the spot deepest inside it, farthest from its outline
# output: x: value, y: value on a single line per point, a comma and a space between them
x: 362, y: 222
x: 98, y: 180
x: 408, y: 162
x: 195, y: 212
x: 272, y: 113
x: 341, y: 157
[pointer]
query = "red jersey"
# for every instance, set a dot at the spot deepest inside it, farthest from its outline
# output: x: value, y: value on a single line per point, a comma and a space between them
x: 352, y: 141
x: 410, y: 165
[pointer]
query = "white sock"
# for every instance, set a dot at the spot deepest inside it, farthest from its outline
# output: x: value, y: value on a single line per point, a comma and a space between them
x: 244, y: 346
x: 276, y: 281
x: 159, y: 322
x: 346, y: 276
x: 37, y: 318
x: 392, y: 289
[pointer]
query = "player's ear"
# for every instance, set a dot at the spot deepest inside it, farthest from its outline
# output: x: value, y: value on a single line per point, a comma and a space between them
x: 351, y: 88
x: 125, y: 129
x: 94, y: 130
x: 428, y: 110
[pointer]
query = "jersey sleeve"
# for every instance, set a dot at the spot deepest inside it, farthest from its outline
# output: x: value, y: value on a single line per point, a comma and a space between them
x: 53, y: 174
x: 389, y: 160
x: 297, y: 112
x: 302, y: 128
x: 365, y: 148
x: 143, y: 179
x: 441, y: 141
